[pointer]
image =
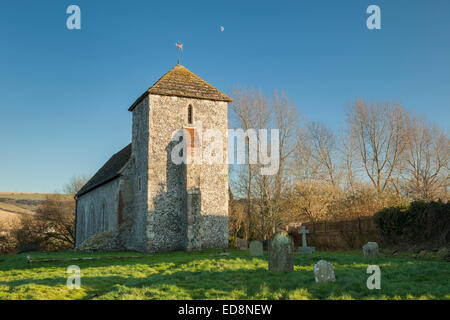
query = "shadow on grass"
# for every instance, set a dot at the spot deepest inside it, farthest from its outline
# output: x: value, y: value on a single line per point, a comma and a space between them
x: 261, y: 284
x: 238, y: 276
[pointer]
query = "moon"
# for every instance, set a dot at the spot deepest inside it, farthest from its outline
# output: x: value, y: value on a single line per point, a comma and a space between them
x: 222, y: 28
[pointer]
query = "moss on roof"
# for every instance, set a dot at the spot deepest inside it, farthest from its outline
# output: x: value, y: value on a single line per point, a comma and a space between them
x: 181, y: 82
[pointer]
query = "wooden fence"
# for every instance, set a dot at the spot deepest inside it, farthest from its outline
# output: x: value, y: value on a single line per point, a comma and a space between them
x: 345, y: 234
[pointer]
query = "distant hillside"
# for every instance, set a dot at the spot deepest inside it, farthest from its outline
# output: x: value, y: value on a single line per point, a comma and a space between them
x: 15, y: 204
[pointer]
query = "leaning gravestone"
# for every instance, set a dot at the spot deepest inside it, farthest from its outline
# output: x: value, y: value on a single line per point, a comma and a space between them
x: 256, y: 248
x: 281, y: 252
x: 324, y: 272
x: 242, y: 244
x: 304, y: 248
x: 370, y: 250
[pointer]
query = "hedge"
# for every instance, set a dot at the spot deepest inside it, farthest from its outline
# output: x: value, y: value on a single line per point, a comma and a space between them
x: 424, y: 224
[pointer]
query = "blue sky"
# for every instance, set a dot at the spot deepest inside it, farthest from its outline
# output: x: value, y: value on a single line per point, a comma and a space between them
x: 64, y: 94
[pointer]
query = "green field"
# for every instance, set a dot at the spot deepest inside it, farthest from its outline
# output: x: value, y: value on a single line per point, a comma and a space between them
x: 207, y: 275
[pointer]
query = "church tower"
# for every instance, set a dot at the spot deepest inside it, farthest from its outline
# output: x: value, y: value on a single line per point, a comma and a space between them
x: 183, y: 205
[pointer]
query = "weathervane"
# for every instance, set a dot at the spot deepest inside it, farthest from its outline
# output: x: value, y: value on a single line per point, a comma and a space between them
x: 180, y: 50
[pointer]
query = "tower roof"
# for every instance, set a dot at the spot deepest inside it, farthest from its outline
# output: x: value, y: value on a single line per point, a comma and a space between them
x: 181, y: 82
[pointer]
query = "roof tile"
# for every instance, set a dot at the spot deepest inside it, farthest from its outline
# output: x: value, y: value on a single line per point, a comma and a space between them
x: 181, y: 82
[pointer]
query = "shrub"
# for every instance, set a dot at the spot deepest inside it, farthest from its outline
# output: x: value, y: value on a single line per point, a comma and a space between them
x: 420, y: 224
x: 7, y: 244
x: 232, y: 242
x: 51, y: 228
x: 8, y: 241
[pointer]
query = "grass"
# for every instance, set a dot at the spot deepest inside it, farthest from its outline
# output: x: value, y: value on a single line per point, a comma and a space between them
x: 206, y: 275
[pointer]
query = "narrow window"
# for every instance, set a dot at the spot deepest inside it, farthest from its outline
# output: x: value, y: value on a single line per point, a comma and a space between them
x: 140, y: 184
x: 189, y: 114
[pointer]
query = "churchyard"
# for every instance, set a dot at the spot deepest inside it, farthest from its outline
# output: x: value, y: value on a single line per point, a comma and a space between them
x: 215, y: 274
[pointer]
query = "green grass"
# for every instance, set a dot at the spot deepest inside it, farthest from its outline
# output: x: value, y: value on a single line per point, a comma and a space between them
x: 205, y: 275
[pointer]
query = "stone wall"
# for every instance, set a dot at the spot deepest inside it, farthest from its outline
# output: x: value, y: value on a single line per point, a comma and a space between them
x: 132, y: 227
x: 137, y: 179
x: 113, y: 209
x: 167, y: 218
x: 97, y: 211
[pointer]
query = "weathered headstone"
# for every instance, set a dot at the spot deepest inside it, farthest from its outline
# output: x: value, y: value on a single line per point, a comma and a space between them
x: 324, y: 272
x: 370, y: 250
x: 256, y: 248
x: 242, y: 244
x: 281, y: 252
x: 304, y: 248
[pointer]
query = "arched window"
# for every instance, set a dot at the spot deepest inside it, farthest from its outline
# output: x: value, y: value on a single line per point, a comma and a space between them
x: 190, y: 116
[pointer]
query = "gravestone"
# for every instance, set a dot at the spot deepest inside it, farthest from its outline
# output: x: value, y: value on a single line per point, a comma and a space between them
x: 304, y: 248
x: 242, y: 244
x: 324, y: 272
x: 281, y: 252
x: 256, y: 248
x: 370, y: 250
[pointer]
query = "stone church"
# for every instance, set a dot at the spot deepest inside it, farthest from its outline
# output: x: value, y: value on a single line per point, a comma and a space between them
x: 141, y: 196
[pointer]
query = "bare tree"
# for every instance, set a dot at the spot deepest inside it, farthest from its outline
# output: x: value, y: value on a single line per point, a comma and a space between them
x: 379, y: 132
x: 287, y: 122
x: 75, y: 184
x: 236, y: 216
x: 427, y: 160
x: 323, y: 142
x: 305, y: 166
x: 264, y: 192
x: 53, y: 225
x: 51, y: 228
x: 347, y: 150
x: 309, y: 200
x: 251, y: 110
x: 56, y: 221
